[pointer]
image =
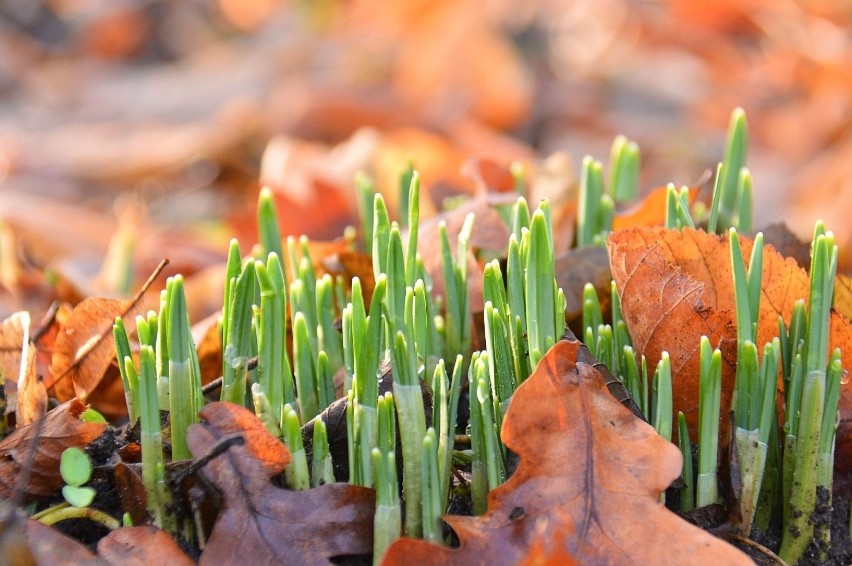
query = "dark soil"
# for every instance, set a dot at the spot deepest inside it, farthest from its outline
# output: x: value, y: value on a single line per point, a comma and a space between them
x: 833, y: 511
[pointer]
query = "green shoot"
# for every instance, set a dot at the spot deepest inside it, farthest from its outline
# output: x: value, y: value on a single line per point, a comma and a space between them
x: 687, y: 495
x: 431, y: 494
x: 185, y: 396
x: 269, y: 234
x: 237, y: 335
x: 387, y: 524
x: 736, y: 150
x: 457, y: 318
x: 322, y: 469
x: 273, y: 366
x: 365, y: 195
x: 709, y: 401
x: 677, y: 208
x: 624, y: 166
x: 130, y: 381
x: 544, y: 323
x: 304, y: 363
x: 590, y: 214
x: 412, y: 427
x: 663, y: 397
x: 296, y: 474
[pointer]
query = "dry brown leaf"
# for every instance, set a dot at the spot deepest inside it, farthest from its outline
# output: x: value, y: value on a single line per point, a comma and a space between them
x: 141, y: 546
x: 25, y: 393
x: 62, y: 429
x: 84, y: 346
x: 587, y: 486
x: 130, y: 546
x: 436, y: 158
x: 49, y: 547
x: 677, y: 285
x: 489, y: 233
x: 349, y: 264
x: 575, y: 268
x: 843, y: 296
x: 208, y: 336
x: 488, y: 175
x: 32, y: 396
x: 262, y: 524
x: 788, y: 244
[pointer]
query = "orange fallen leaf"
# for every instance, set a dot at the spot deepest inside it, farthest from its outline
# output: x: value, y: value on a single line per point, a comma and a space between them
x: 650, y: 211
x: 207, y: 334
x: 262, y: 524
x: 589, y: 481
x: 84, y: 346
x: 62, y: 429
x: 488, y: 175
x: 677, y: 285
x: 349, y: 264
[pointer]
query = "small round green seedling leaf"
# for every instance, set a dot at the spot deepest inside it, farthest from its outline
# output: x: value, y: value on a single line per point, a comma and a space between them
x: 75, y: 467
x: 78, y: 496
x: 92, y: 416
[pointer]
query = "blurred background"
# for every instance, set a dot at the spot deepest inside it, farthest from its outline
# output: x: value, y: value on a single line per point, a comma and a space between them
x: 152, y: 124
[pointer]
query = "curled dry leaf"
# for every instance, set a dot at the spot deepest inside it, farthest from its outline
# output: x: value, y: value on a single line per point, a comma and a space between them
x: 50, y: 547
x: 575, y: 268
x: 489, y: 233
x: 262, y: 524
x: 587, y: 486
x: 26, y: 396
x: 84, y: 346
x: 208, y: 336
x: 131, y: 546
x: 62, y: 429
x: 141, y: 546
x: 349, y: 264
x: 677, y: 285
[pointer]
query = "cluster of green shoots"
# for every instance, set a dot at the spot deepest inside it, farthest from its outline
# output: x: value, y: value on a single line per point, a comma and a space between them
x: 524, y: 316
x: 426, y: 339
x: 274, y: 293
x: 782, y: 465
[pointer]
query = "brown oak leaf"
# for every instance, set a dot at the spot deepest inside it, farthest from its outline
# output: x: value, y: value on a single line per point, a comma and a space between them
x: 587, y: 486
x: 84, y: 349
x: 262, y: 524
x: 62, y: 428
x: 677, y: 285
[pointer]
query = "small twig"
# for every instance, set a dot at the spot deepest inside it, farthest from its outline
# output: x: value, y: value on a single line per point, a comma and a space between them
x: 212, y: 386
x: 459, y: 477
x: 758, y: 547
x: 46, y: 322
x: 220, y: 447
